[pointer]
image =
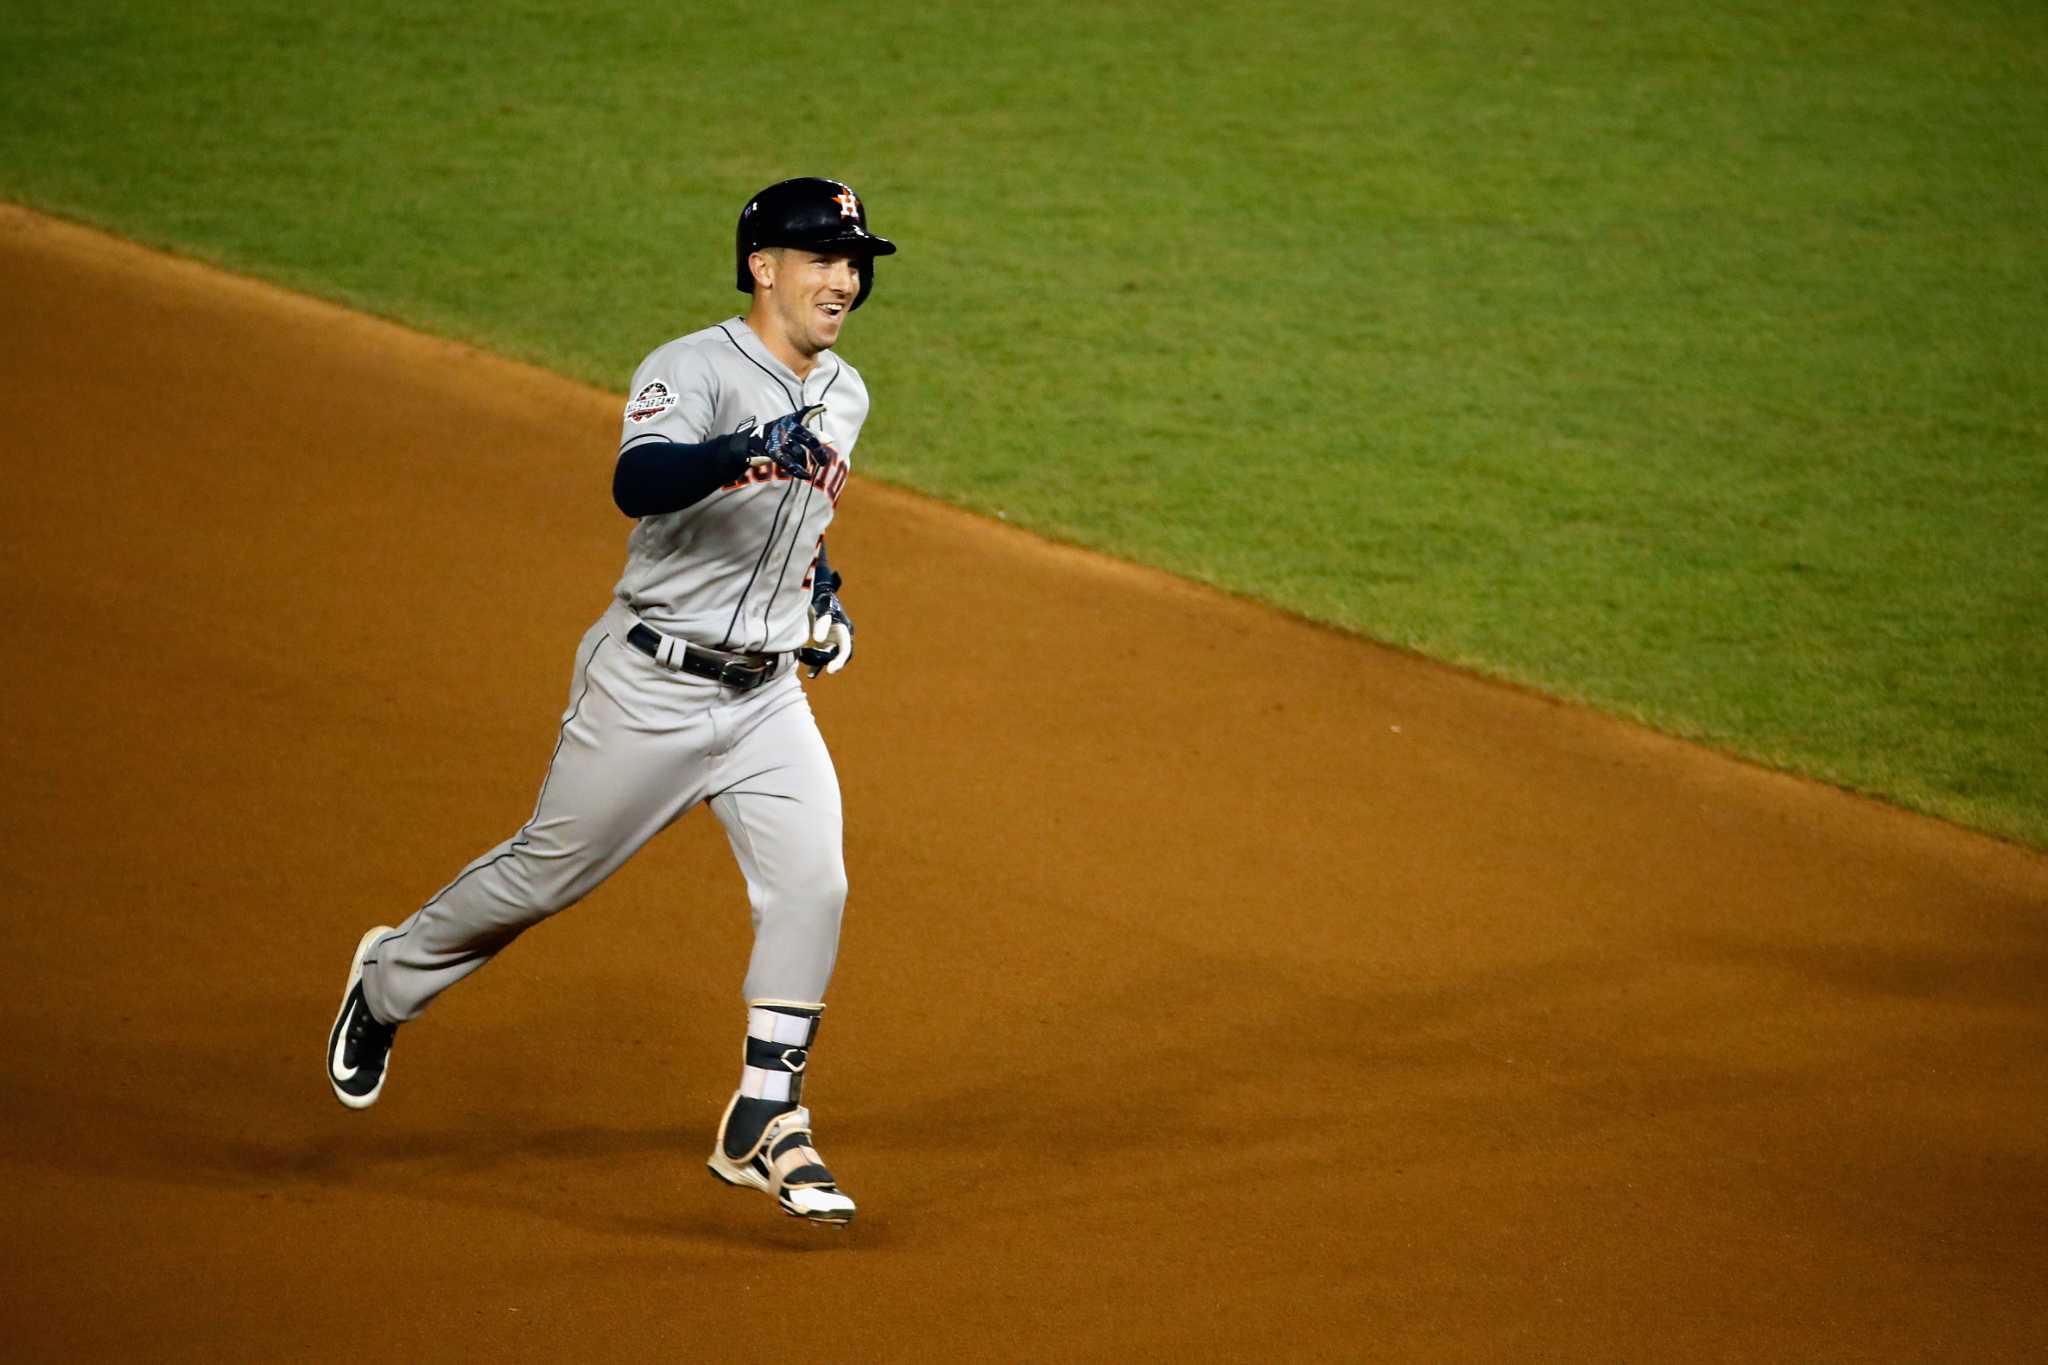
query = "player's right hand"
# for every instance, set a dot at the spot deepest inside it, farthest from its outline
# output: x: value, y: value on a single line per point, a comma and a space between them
x: 790, y: 445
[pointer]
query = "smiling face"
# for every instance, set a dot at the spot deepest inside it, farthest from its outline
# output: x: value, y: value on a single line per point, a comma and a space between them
x: 801, y: 299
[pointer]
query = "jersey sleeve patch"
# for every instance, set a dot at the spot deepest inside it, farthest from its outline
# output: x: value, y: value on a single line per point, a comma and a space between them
x: 651, y: 402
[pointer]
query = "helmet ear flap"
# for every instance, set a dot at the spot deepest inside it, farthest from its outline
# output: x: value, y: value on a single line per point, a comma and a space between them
x: 867, y: 282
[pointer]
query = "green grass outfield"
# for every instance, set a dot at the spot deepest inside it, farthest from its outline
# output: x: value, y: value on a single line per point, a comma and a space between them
x: 1684, y: 358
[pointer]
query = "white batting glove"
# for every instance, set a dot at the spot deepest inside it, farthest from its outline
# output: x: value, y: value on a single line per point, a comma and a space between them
x: 832, y: 631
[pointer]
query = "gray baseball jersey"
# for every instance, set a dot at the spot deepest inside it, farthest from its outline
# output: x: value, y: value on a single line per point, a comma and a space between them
x: 733, y: 570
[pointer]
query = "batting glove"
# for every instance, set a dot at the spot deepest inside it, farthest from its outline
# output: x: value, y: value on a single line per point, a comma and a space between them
x: 790, y: 445
x: 831, y: 629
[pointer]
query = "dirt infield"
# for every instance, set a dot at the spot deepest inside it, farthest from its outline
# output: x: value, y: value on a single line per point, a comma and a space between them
x: 1214, y: 986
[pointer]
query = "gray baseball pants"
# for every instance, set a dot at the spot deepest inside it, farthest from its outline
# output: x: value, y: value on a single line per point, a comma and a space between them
x: 639, y: 746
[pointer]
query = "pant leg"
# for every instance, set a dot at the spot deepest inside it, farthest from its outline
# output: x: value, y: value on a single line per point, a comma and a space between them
x: 778, y: 799
x: 628, y: 761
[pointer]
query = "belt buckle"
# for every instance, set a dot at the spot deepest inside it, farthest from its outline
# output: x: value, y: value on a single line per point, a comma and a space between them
x: 739, y: 673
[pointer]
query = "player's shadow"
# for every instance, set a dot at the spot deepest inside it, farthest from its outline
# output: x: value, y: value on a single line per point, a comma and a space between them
x: 641, y: 1182
x: 654, y: 1181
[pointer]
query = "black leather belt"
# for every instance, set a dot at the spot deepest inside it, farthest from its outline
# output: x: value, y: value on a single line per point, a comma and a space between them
x: 742, y: 671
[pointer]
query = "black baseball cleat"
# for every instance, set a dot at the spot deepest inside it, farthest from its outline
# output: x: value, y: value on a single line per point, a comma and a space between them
x: 359, y: 1048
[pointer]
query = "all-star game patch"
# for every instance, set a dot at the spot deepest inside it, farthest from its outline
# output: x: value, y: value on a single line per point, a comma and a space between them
x: 650, y: 402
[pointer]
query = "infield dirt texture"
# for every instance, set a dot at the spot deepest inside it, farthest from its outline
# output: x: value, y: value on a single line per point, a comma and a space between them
x: 1214, y: 986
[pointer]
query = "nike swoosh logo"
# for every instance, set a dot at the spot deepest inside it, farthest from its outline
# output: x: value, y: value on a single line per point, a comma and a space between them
x: 342, y: 1071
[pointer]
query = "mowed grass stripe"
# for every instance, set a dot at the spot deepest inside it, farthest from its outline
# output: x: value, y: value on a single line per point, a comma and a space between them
x: 1685, y: 363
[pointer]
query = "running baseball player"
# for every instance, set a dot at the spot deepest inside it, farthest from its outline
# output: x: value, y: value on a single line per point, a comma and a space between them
x: 736, y: 442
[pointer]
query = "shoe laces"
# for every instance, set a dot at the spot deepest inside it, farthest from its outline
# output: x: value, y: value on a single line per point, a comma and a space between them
x: 365, y: 1028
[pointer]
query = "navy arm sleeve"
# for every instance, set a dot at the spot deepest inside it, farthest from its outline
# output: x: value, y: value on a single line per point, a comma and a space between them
x: 654, y: 477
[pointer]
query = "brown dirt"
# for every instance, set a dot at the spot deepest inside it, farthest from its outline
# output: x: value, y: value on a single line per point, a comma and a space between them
x: 1214, y: 986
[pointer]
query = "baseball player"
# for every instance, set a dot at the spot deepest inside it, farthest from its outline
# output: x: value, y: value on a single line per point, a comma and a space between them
x: 736, y: 442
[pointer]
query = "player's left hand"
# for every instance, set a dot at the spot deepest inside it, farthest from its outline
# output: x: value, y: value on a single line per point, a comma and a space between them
x: 831, y: 630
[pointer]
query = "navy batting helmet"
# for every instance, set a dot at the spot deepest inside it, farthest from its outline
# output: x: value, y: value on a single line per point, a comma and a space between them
x: 819, y: 215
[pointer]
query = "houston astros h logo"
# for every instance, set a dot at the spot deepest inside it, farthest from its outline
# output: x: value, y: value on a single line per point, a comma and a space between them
x: 849, y: 207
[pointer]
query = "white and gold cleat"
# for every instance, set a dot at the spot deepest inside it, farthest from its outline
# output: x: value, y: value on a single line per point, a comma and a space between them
x: 783, y: 1163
